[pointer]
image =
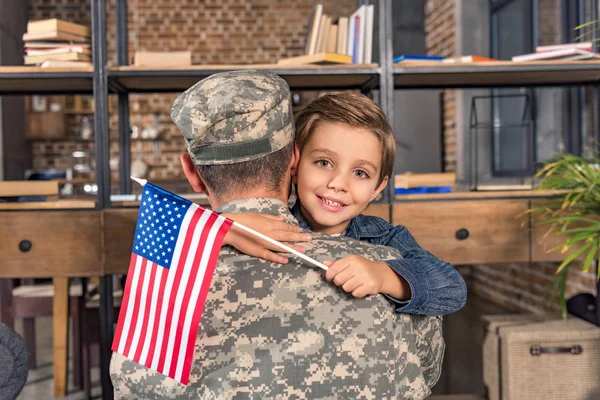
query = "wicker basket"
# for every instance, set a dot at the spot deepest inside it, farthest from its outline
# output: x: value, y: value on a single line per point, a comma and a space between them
x: 528, y: 359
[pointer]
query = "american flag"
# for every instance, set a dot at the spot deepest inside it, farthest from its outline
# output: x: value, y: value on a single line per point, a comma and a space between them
x: 174, y: 254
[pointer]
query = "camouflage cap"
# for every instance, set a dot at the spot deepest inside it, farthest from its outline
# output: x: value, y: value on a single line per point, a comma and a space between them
x: 235, y: 116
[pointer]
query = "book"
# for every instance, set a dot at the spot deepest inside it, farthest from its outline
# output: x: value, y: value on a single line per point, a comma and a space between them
x: 313, y: 29
x: 359, y: 20
x: 65, y: 64
x: 368, y: 51
x: 319, y: 58
x: 162, y: 58
x: 28, y: 60
x: 55, y: 36
x: 54, y: 24
x: 342, y: 39
x: 583, y: 46
x: 332, y: 39
x: 410, y: 180
x: 58, y: 50
x: 563, y: 54
x: 468, y: 59
x: 54, y: 45
x: 424, y: 189
x: 412, y: 57
x: 321, y: 36
x: 351, y: 37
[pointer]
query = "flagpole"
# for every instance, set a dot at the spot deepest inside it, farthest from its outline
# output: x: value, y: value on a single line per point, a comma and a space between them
x: 281, y: 245
x: 264, y: 237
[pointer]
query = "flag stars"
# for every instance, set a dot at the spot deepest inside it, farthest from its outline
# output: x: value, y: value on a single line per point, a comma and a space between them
x: 172, y: 220
x: 172, y: 238
x: 169, y: 212
x: 178, y: 215
x: 155, y: 195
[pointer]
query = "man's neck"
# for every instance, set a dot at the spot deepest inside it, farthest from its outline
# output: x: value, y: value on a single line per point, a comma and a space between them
x: 260, y: 193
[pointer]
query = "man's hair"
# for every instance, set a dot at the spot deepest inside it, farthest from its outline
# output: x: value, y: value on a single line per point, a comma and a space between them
x: 266, y: 172
x: 355, y: 110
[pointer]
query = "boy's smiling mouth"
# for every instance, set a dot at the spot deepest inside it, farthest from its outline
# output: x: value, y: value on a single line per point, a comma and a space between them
x: 331, y: 204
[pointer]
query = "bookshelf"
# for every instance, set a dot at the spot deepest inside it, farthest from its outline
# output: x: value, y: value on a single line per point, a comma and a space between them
x: 322, y: 77
x: 123, y: 79
x: 36, y: 80
x: 426, y: 75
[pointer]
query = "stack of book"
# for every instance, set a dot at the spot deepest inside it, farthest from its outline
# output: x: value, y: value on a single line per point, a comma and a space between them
x: 410, y: 183
x: 343, y: 40
x: 569, y: 51
x: 57, y: 43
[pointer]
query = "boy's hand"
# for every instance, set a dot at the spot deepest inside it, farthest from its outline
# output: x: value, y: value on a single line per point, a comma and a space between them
x: 362, y: 277
x: 269, y: 225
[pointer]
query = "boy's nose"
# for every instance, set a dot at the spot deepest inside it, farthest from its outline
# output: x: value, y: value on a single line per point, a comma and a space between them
x: 338, y: 183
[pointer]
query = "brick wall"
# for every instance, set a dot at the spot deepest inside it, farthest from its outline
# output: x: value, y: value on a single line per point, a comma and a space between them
x: 440, y: 35
x: 216, y: 31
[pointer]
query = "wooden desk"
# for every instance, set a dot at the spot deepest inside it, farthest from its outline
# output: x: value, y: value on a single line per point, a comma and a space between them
x: 59, y: 245
x: 68, y: 239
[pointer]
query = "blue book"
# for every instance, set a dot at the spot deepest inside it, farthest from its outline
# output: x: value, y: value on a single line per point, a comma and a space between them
x: 406, y: 57
x: 425, y: 189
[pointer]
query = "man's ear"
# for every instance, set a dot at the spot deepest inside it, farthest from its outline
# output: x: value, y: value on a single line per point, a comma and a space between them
x: 189, y: 169
x: 294, y: 164
x: 381, y: 186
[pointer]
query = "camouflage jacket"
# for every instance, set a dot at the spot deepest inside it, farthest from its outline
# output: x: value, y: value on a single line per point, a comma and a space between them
x: 271, y: 331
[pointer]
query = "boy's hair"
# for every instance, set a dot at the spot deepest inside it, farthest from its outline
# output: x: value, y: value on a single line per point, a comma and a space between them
x: 355, y: 110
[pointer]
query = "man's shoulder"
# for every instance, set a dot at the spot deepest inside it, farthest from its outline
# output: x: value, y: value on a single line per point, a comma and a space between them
x: 339, y: 246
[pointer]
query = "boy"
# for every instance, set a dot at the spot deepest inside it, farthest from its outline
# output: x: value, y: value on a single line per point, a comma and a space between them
x: 347, y: 151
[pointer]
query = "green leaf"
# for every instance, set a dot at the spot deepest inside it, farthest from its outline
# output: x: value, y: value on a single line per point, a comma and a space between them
x: 590, y: 257
x: 573, y: 256
x: 578, y: 27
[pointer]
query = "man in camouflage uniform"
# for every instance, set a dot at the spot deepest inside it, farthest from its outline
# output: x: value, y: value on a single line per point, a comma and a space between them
x: 272, y: 331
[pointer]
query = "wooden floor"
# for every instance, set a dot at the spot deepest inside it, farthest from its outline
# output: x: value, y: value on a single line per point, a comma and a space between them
x: 460, y: 380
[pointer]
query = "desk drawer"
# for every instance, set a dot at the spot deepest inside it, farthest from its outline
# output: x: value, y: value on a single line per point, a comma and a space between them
x: 468, y: 232
x: 41, y: 244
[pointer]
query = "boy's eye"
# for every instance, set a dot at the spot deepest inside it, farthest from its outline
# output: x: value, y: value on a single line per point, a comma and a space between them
x: 323, y: 163
x: 361, y: 174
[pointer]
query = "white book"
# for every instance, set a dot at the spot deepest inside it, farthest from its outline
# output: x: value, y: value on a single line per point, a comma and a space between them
x: 356, y: 34
x: 314, y: 29
x: 571, y: 53
x: 582, y: 46
x: 350, y: 40
x: 369, y: 15
x: 360, y: 46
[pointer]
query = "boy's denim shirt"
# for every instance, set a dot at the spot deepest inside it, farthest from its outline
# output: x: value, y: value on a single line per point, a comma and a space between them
x: 437, y: 288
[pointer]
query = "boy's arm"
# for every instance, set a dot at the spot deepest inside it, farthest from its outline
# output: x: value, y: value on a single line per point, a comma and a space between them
x: 436, y: 287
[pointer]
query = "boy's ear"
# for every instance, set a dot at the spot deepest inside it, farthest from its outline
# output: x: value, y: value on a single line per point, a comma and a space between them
x: 191, y: 174
x: 381, y: 186
x: 294, y: 164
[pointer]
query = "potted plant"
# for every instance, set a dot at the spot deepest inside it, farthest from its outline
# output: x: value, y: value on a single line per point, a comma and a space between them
x: 573, y: 214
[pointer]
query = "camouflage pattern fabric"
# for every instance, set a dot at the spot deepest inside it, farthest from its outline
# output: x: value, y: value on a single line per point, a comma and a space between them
x: 272, y: 331
x: 235, y: 116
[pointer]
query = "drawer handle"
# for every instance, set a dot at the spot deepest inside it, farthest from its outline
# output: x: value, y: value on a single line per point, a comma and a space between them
x: 537, y: 350
x: 25, y: 245
x: 462, y: 234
